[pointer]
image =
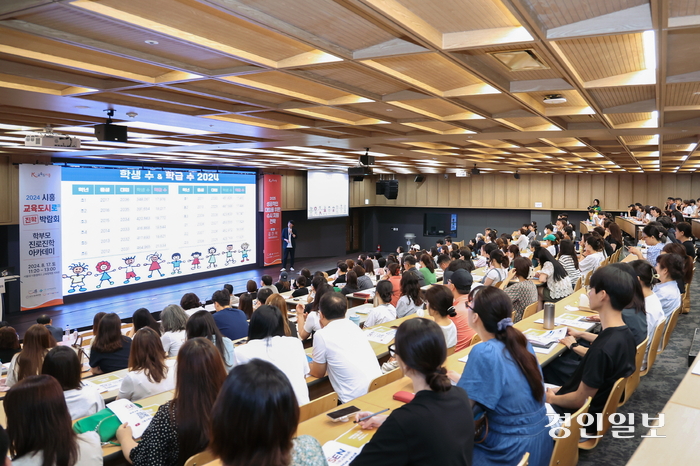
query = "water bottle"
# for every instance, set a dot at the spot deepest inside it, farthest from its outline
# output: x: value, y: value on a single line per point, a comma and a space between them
x: 548, y: 323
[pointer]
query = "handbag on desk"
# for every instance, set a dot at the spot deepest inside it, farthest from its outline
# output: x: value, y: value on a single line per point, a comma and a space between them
x: 104, y: 422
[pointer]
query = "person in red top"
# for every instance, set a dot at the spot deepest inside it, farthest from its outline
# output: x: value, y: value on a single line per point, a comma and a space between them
x: 394, y: 276
x: 460, y: 282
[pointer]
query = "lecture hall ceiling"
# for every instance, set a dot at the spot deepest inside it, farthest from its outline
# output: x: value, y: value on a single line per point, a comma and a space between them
x: 427, y: 86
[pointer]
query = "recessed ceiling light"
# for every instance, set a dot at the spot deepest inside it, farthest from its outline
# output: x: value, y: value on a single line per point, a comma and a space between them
x: 151, y: 42
x: 389, y: 109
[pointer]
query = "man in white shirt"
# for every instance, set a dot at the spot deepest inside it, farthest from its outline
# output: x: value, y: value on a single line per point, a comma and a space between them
x: 342, y: 350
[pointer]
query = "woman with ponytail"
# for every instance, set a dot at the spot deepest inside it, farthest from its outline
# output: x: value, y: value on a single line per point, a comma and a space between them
x: 498, y: 268
x: 441, y: 308
x: 677, y: 248
x: 402, y: 437
x: 502, y: 374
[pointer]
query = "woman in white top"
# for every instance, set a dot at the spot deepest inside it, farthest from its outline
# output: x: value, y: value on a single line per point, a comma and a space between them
x: 266, y: 341
x: 551, y: 245
x: 498, y: 268
x: 410, y: 301
x: 554, y: 276
x: 652, y: 305
x: 569, y: 260
x: 669, y: 268
x: 440, y: 308
x: 522, y: 241
x: 173, y: 320
x: 308, y: 318
x: 149, y: 372
x: 385, y: 311
x: 39, y: 425
x: 202, y: 324
x: 63, y: 364
x: 37, y: 342
x: 592, y: 254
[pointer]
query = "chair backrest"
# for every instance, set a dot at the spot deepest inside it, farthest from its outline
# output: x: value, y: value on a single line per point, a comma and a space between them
x: 654, y: 347
x: 526, y: 460
x: 670, y: 327
x: 530, y: 310
x: 610, y: 408
x: 385, y: 379
x: 318, y: 406
x: 497, y: 284
x: 200, y: 458
x: 565, y: 452
x: 633, y: 380
x: 579, y: 284
x: 450, y: 350
x: 475, y: 339
x: 587, y: 278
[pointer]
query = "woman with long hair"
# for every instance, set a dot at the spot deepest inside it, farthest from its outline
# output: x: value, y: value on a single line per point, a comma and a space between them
x: 402, y: 437
x: 245, y: 303
x: 502, y: 374
x: 670, y: 268
x: 308, y: 318
x: 384, y: 311
x: 266, y: 341
x: 676, y: 248
x: 569, y: 260
x: 202, y: 324
x: 110, y: 349
x: 364, y: 282
x: 394, y: 277
x: 513, y: 252
x: 37, y: 342
x: 149, y: 373
x: 440, y: 308
x: 522, y: 293
x: 9, y: 344
x: 614, y: 236
x: 351, y: 285
x: 143, y: 318
x: 173, y: 319
x: 180, y: 427
x: 280, y: 303
x: 410, y: 301
x: 428, y: 269
x: 498, y: 268
x: 96, y: 322
x: 62, y: 363
x: 257, y: 402
x: 554, y: 276
x: 39, y: 427
x: 652, y: 306
x: 368, y: 265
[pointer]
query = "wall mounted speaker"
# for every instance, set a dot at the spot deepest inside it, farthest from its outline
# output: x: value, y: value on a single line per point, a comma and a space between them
x: 419, y: 179
x: 391, y: 191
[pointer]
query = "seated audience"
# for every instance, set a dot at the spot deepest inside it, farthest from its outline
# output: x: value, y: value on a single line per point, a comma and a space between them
x: 368, y: 265
x: 684, y: 235
x: 308, y: 317
x: 592, y: 254
x: 283, y: 284
x: 652, y: 306
x: 257, y: 402
x: 143, y: 318
x: 266, y: 341
x: 234, y: 298
x: 37, y: 342
x: 441, y: 308
x: 409, y: 265
x: 569, y: 260
x: 149, y: 372
x: 96, y: 322
x: 364, y: 282
x: 63, y: 364
x: 410, y: 301
x: 190, y: 303
x: 503, y: 376
x: 497, y: 268
x: 201, y: 324
x: 385, y: 311
x: 232, y: 323
x: 39, y: 427
x: 342, y: 350
x: 614, y: 236
x: 394, y: 277
x: 651, y: 235
x: 9, y: 344
x: 263, y: 295
x: 524, y: 292
x: 402, y: 437
x: 173, y: 319
x: 340, y: 274
x: 677, y: 248
x: 460, y: 283
x: 301, y: 289
x: 180, y: 427
x: 278, y: 301
x: 245, y: 304
x: 266, y: 282
x: 428, y: 269
x: 110, y: 349
x: 46, y: 321
x: 252, y: 288
x: 554, y: 276
x: 351, y: 285
x: 669, y: 268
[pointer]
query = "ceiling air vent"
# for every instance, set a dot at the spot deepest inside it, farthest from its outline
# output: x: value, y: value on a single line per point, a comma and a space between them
x: 520, y: 60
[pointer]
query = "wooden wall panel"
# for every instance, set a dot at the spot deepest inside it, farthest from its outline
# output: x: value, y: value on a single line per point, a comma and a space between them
x: 465, y: 192
x: 695, y: 186
x: 626, y: 194
x: 499, y: 192
x: 571, y: 192
x: 683, y: 186
x: 432, y: 191
x: 512, y: 191
x: 584, y: 191
x: 9, y: 192
x: 559, y: 192
x: 454, y: 192
x: 653, y: 191
x: 639, y: 188
x: 477, y: 183
x: 524, y: 193
x: 597, y: 189
x: 612, y: 191
x: 541, y: 190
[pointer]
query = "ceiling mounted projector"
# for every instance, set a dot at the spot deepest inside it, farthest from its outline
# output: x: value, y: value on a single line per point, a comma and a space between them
x: 554, y: 99
x: 50, y: 139
x: 475, y: 171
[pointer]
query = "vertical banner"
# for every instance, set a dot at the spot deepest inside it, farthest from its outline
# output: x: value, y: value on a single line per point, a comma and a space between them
x: 40, y: 237
x: 272, y: 227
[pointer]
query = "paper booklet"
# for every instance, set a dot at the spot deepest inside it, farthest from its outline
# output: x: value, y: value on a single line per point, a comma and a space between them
x: 138, y: 419
x: 570, y: 320
x: 381, y: 334
x: 544, y: 337
x: 104, y: 383
x: 345, y: 448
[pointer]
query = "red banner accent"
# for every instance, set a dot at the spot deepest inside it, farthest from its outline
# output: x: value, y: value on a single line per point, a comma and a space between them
x: 272, y: 223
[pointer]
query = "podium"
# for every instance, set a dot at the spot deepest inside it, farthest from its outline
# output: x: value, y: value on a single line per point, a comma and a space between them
x: 3, y: 290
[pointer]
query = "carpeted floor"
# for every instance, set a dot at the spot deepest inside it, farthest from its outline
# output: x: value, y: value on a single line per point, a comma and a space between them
x: 654, y: 390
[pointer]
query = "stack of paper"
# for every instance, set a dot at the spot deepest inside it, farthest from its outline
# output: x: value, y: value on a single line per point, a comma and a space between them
x: 381, y: 334
x: 127, y: 412
x: 544, y: 337
x: 570, y: 320
x: 344, y: 449
x: 105, y: 383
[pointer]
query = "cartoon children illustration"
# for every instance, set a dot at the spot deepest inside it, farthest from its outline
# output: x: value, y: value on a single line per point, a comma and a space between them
x: 212, y: 257
x: 155, y: 260
x: 77, y: 280
x: 176, y: 261
x: 229, y: 255
x: 102, y: 268
x: 129, y: 261
x: 195, y: 260
x: 245, y: 247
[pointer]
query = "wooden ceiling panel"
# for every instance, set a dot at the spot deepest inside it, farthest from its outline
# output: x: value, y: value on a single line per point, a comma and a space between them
x: 382, y: 109
x: 495, y: 103
x: 439, y: 107
x: 452, y: 16
x: 556, y: 13
x: 484, y: 55
x: 683, y: 8
x: 232, y: 91
x: 326, y: 19
x: 622, y: 118
x: 683, y: 94
x: 605, y: 56
x: 613, y: 97
x: 358, y: 76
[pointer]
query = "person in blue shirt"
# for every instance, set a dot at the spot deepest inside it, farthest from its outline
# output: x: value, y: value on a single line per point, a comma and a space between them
x: 232, y: 323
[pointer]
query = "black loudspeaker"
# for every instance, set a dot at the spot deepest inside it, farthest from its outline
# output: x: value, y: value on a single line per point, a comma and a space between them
x: 381, y: 187
x: 359, y: 171
x: 358, y: 178
x: 108, y: 132
x: 516, y: 176
x: 419, y: 179
x: 391, y: 191
x: 367, y: 159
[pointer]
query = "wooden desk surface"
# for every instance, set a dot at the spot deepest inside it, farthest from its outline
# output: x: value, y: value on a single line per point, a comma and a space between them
x: 630, y: 226
x: 686, y: 393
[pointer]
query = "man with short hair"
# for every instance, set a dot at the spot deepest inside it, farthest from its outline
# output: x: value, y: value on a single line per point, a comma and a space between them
x: 409, y: 265
x: 342, y: 350
x: 266, y: 282
x: 611, y: 356
x: 342, y: 271
x: 443, y: 261
x: 263, y: 295
x: 232, y: 323
x: 289, y: 244
x: 47, y: 322
x: 460, y: 282
x: 234, y: 299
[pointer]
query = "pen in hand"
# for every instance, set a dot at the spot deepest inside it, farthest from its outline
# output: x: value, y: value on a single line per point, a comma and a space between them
x: 371, y: 415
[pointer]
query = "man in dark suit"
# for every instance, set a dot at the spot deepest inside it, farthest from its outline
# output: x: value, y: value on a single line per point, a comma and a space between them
x: 289, y: 244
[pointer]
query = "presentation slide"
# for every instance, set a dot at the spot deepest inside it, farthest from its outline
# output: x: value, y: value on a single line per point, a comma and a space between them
x: 126, y: 225
x: 328, y: 194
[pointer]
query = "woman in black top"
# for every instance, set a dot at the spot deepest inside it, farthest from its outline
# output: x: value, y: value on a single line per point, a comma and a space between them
x: 110, y: 349
x: 9, y: 344
x: 614, y: 236
x: 684, y: 235
x: 402, y: 437
x: 350, y: 283
x: 301, y: 290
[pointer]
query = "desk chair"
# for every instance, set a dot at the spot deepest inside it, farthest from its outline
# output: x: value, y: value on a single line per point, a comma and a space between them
x: 450, y: 351
x: 587, y: 278
x: 526, y: 460
x: 385, y: 379
x: 685, y: 299
x: 530, y: 310
x: 475, y: 339
x: 670, y: 327
x: 579, y: 284
x: 610, y: 408
x: 317, y: 406
x: 633, y: 380
x: 654, y: 347
x: 565, y: 452
x: 200, y: 459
